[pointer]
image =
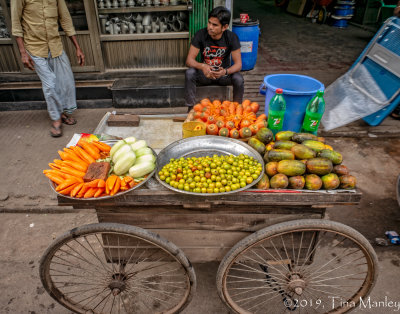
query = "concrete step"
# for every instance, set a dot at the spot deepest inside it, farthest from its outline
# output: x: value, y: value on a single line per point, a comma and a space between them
x: 155, y: 90
x: 161, y: 91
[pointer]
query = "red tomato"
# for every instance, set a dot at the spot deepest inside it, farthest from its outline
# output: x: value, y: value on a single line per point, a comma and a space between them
x: 211, y: 120
x: 245, y: 123
x: 245, y: 132
x: 234, y: 133
x: 223, y: 132
x: 254, y: 128
x: 220, y: 124
x: 230, y: 125
x: 254, y: 106
x: 204, y: 116
x: 212, y: 129
x: 197, y: 114
x: 198, y: 107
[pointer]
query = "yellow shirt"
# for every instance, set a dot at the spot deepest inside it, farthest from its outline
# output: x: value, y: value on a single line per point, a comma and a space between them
x: 37, y: 22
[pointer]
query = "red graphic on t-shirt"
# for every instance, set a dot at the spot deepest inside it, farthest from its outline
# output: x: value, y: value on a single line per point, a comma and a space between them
x: 214, y: 55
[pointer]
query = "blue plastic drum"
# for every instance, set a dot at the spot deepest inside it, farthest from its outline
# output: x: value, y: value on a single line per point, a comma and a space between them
x: 297, y: 91
x: 248, y: 34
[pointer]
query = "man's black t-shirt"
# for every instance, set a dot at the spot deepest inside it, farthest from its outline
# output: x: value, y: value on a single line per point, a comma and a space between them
x: 216, y: 52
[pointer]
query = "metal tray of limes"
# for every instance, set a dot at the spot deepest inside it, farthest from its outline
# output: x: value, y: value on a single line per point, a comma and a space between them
x: 201, y: 146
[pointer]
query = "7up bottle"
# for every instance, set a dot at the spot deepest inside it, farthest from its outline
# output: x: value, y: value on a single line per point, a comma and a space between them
x: 276, y: 111
x: 314, y: 111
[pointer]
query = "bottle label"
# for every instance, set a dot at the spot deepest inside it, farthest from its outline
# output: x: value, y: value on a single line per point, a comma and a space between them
x: 275, y: 120
x: 311, y: 122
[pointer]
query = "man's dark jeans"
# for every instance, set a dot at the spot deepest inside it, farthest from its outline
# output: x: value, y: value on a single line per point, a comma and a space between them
x: 196, y: 77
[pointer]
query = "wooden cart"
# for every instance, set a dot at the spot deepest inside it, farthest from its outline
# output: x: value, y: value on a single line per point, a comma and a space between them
x: 277, y: 253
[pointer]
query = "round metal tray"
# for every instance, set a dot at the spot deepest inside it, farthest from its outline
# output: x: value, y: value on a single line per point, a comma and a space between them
x: 111, y: 143
x: 200, y: 146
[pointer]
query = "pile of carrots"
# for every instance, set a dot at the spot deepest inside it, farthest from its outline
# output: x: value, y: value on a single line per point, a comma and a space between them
x: 231, y: 116
x: 68, y: 172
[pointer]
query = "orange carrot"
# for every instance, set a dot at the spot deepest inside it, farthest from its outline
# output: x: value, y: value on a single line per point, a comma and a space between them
x: 76, y: 189
x: 91, y: 150
x: 54, y: 166
x: 127, y: 180
x: 93, y: 183
x: 72, y: 171
x: 232, y: 108
x: 68, y: 189
x: 239, y: 110
x: 116, y: 187
x: 101, y: 183
x: 83, y: 154
x: 102, y: 146
x: 81, y: 166
x: 82, y: 191
x: 262, y: 117
x: 124, y: 185
x: 66, y: 184
x: 246, y: 103
x: 58, y: 162
x: 68, y: 154
x: 54, y: 178
x: 110, y: 183
x: 99, y: 192
x: 56, y: 173
x: 90, y: 192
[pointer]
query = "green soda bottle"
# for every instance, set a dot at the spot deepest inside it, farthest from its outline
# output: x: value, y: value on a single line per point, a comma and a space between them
x: 314, y: 111
x: 276, y: 111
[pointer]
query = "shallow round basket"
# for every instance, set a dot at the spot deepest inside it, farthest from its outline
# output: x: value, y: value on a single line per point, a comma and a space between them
x: 201, y: 146
x: 111, y: 143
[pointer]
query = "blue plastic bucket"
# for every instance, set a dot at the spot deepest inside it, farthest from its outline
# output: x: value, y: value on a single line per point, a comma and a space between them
x: 297, y: 91
x: 248, y: 34
x: 340, y: 23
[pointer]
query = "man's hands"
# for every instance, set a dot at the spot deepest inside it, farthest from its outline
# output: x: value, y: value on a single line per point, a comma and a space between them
x: 27, y: 61
x: 80, y: 56
x: 212, y: 73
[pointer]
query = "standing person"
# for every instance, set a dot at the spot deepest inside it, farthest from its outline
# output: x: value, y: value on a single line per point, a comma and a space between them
x: 216, y: 44
x: 35, y: 26
x: 396, y: 112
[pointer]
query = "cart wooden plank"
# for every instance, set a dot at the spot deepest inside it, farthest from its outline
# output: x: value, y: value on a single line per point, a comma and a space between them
x: 147, y: 197
x: 201, y: 221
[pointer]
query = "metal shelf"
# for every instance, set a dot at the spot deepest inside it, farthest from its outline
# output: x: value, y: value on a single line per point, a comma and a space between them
x: 145, y: 36
x: 145, y: 9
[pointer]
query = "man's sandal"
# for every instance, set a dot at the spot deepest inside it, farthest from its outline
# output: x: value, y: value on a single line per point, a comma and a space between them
x: 56, y: 131
x: 395, y: 116
x: 67, y: 119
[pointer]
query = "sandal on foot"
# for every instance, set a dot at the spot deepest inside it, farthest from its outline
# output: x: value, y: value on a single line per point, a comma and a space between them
x: 67, y: 119
x: 395, y: 116
x: 55, y: 131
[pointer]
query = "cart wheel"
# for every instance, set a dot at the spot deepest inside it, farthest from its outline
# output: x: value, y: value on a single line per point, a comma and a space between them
x: 321, y: 18
x: 116, y: 268
x: 309, y: 265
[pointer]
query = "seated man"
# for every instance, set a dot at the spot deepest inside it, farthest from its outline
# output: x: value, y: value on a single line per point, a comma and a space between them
x: 216, y: 44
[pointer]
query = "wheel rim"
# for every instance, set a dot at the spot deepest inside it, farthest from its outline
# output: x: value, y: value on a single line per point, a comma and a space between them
x: 289, y: 272
x: 115, y: 272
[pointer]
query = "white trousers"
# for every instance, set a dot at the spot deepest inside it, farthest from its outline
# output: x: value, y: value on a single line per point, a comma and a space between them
x: 57, y: 83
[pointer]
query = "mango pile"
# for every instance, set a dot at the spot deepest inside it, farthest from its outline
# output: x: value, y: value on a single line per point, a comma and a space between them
x: 300, y: 160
